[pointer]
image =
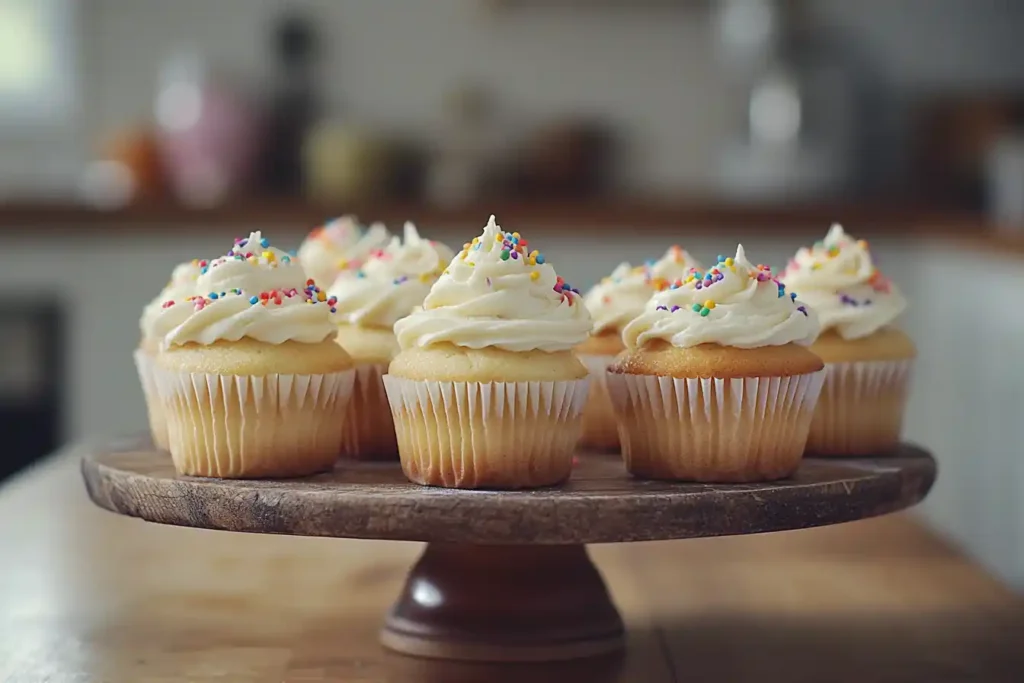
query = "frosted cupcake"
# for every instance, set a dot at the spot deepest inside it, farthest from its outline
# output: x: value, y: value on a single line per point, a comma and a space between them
x: 868, y: 361
x: 339, y: 245
x: 181, y: 285
x: 486, y: 392
x: 716, y: 383
x: 614, y: 302
x: 388, y: 286
x: 248, y: 374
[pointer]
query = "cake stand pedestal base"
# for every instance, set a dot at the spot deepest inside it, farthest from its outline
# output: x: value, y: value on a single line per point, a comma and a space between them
x: 504, y: 603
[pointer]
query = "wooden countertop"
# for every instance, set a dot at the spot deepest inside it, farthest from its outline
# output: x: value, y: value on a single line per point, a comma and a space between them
x: 89, y: 596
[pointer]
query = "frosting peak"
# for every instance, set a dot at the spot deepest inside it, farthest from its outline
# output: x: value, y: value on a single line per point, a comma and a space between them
x: 340, y: 245
x: 735, y: 303
x: 619, y: 298
x: 251, y: 265
x: 840, y: 280
x: 497, y: 292
x: 392, y: 281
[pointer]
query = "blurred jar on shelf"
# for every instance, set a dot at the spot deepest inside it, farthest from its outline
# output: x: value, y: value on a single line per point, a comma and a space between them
x: 343, y: 163
x: 128, y: 169
x: 208, y: 133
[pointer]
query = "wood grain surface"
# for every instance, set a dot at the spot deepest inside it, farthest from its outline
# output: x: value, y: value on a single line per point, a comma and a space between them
x: 87, y: 596
x: 599, y: 504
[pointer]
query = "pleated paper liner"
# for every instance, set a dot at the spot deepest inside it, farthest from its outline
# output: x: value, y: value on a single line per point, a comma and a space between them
x: 154, y: 409
x: 861, y: 408
x: 599, y: 429
x: 369, y: 428
x: 248, y: 427
x: 714, y: 430
x: 486, y: 435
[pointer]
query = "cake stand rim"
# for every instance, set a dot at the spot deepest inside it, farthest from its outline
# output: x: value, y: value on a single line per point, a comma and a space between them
x: 872, y: 487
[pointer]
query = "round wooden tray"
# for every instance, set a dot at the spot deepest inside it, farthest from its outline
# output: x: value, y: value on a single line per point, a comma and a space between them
x: 505, y: 576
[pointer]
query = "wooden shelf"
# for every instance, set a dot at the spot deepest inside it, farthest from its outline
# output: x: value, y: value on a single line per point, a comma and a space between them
x: 640, y: 213
x: 651, y: 216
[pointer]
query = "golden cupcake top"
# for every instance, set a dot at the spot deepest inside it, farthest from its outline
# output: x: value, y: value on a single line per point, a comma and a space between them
x: 840, y: 280
x: 498, y: 292
x: 620, y: 297
x: 734, y: 303
x: 256, y: 292
x: 340, y: 245
x: 391, y: 282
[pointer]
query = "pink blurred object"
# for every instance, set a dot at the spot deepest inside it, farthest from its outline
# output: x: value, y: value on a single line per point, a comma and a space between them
x: 208, y: 134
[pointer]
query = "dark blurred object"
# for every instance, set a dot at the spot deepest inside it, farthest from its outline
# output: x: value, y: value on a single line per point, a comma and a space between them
x: 294, y: 105
x: 955, y: 138
x: 209, y: 133
x: 569, y: 159
x: 405, y: 170
x: 31, y: 376
x: 461, y: 169
x: 1004, y: 182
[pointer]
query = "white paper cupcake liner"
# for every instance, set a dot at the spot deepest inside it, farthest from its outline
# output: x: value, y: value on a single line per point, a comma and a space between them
x: 599, y: 428
x: 486, y: 435
x: 369, y: 430
x: 860, y: 411
x: 713, y: 430
x: 154, y: 409
x: 243, y: 427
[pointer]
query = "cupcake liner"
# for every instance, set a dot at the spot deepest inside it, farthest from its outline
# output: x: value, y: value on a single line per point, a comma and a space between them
x: 236, y: 426
x: 486, y: 435
x: 369, y: 428
x: 599, y: 429
x: 860, y: 411
x: 713, y: 430
x: 154, y: 409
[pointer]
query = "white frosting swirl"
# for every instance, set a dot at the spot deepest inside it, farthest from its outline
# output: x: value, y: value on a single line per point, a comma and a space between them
x: 256, y: 292
x: 391, y: 283
x: 733, y: 304
x: 233, y: 316
x: 498, y: 293
x: 340, y: 245
x: 619, y: 298
x: 839, y: 280
x: 181, y: 285
x: 251, y: 265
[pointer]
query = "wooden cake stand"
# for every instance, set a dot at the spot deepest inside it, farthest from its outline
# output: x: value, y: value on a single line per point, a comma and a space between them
x: 505, y: 575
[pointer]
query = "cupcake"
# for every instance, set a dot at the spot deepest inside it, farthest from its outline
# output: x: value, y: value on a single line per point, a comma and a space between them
x: 486, y: 391
x: 181, y: 285
x: 388, y: 286
x: 248, y: 374
x: 716, y: 383
x: 867, y: 360
x: 339, y: 245
x: 612, y: 303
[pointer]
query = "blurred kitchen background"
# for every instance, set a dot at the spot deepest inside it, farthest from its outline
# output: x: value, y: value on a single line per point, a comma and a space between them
x: 135, y: 134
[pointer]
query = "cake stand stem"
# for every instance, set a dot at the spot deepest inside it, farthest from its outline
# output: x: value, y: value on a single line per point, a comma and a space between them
x: 504, y: 603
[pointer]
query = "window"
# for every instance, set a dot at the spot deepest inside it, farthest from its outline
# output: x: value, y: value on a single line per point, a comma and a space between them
x: 37, y: 65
